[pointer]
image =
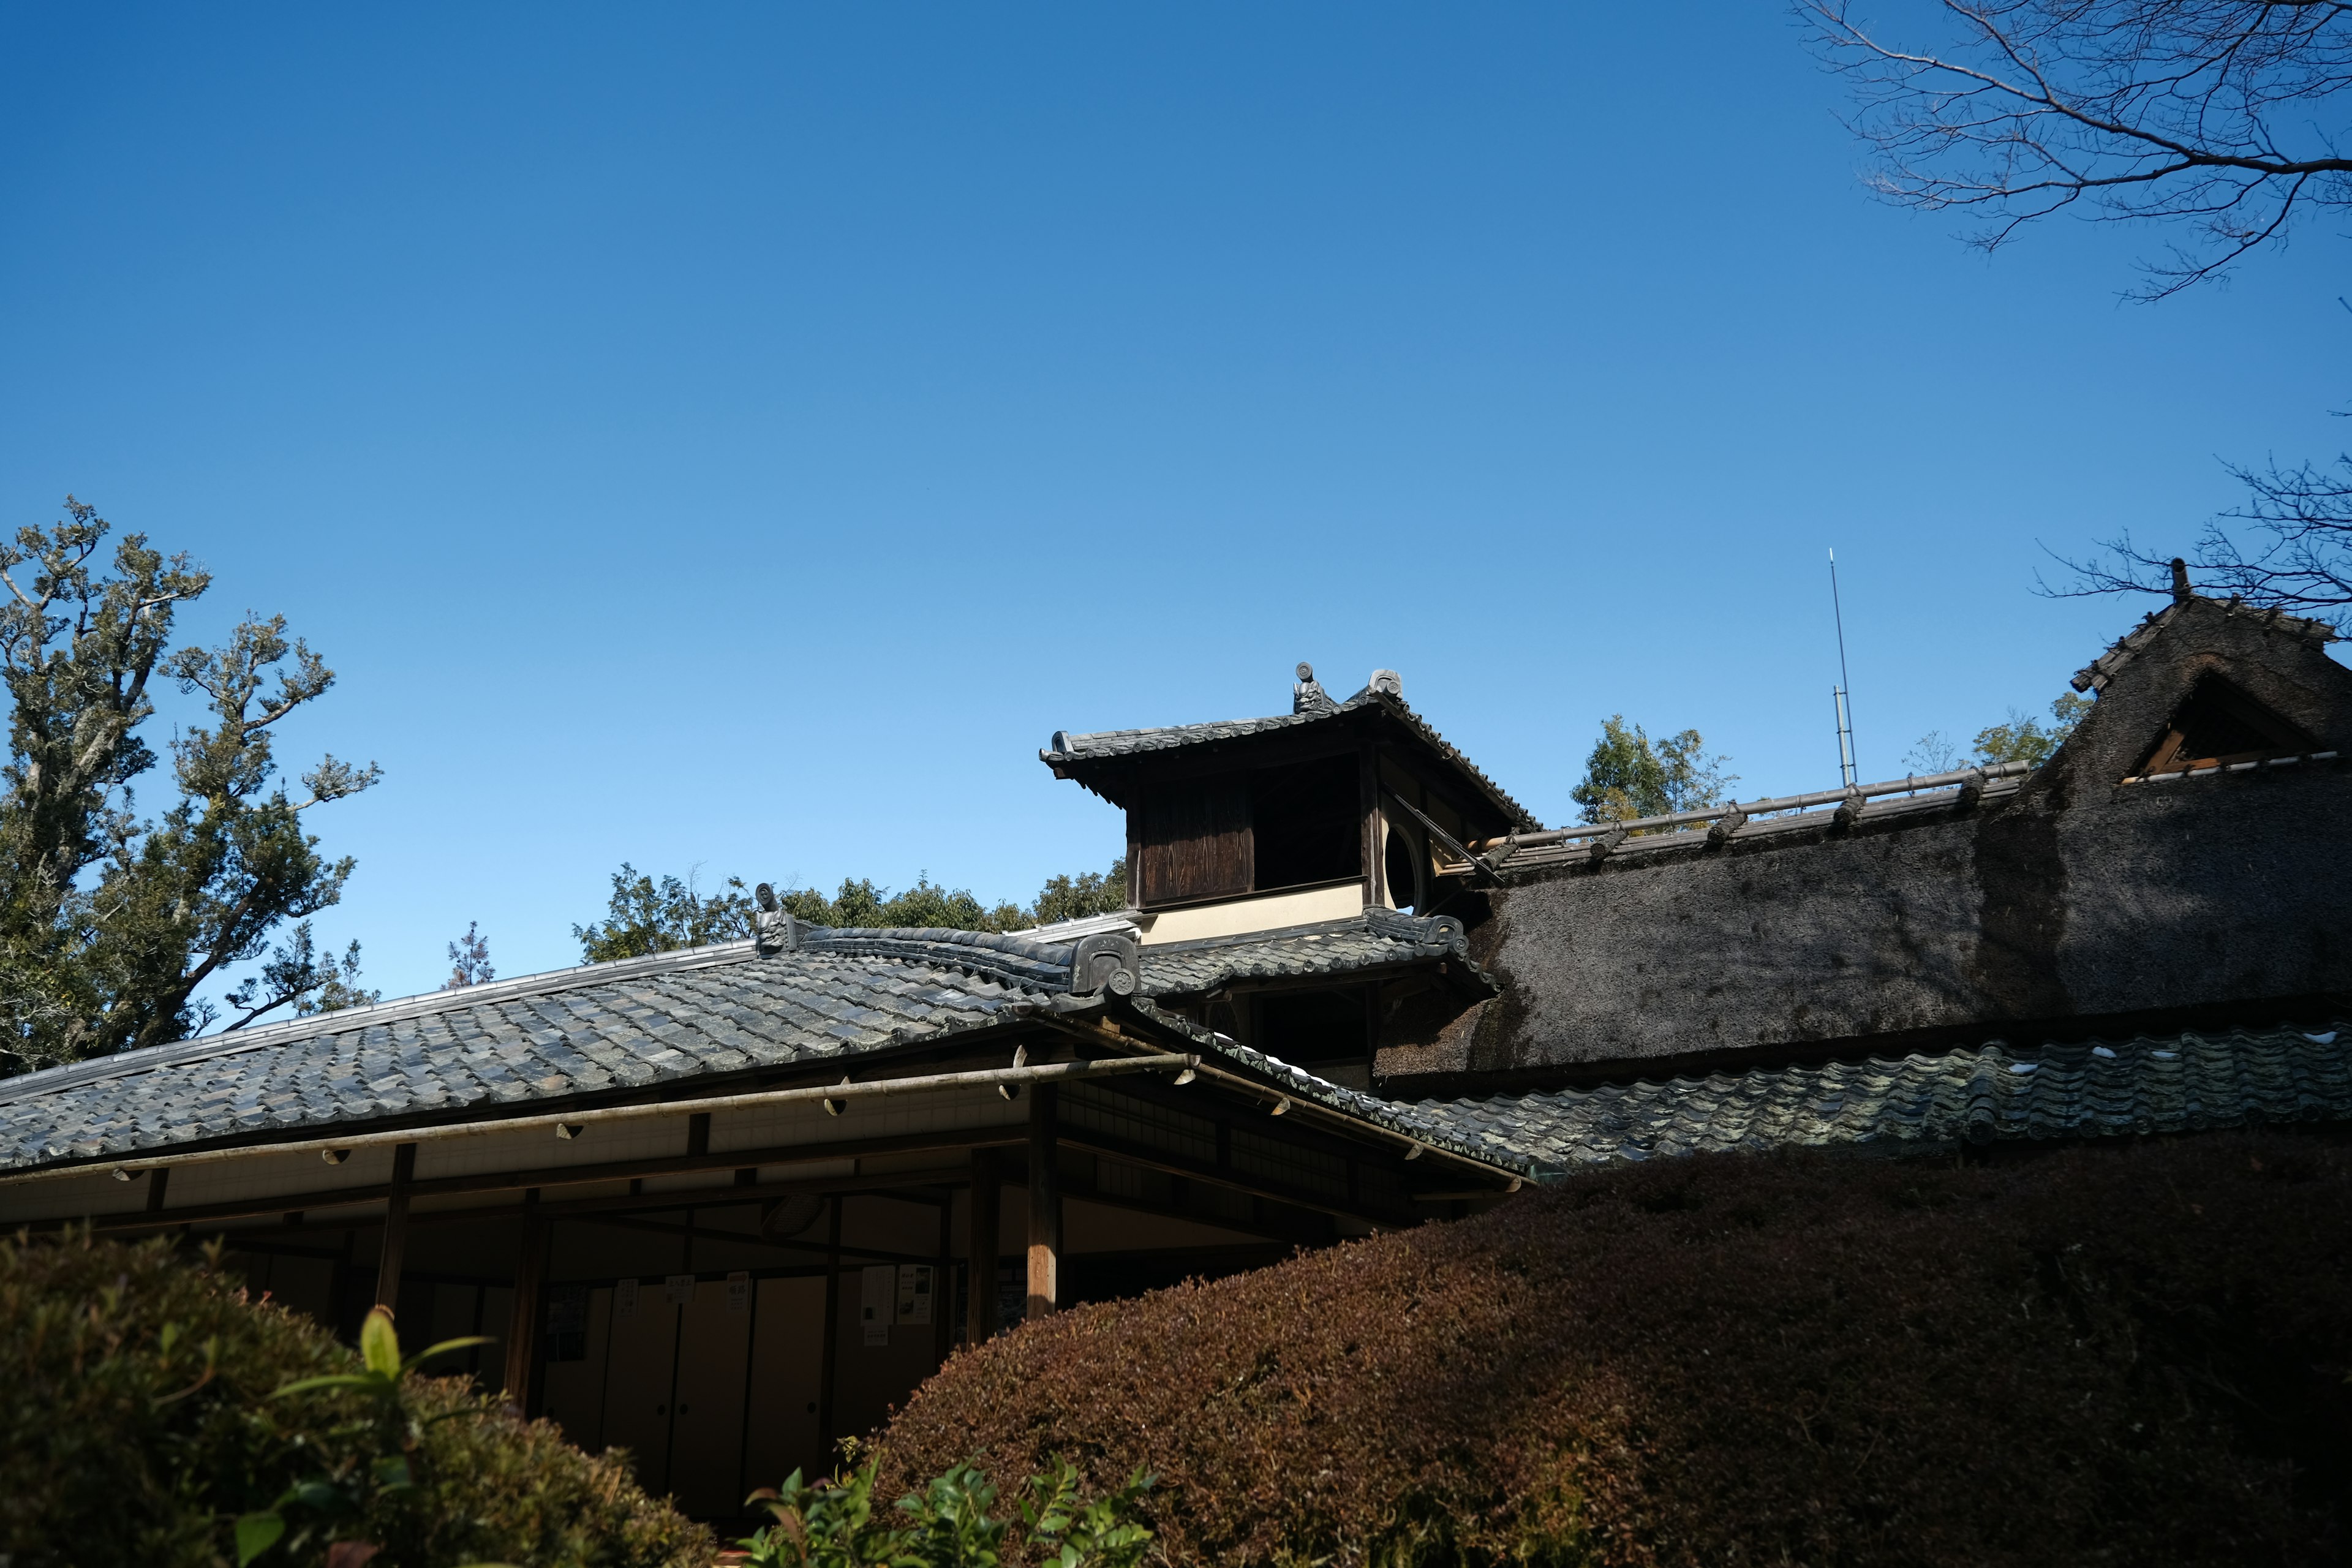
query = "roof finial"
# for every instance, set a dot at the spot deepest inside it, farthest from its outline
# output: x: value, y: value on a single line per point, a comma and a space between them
x: 1388, y: 681
x: 1308, y: 696
x: 2180, y: 591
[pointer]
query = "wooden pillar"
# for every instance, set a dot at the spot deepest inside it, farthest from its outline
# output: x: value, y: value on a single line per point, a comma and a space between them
x: 1044, y: 1202
x: 1371, y: 1034
x: 942, y: 1271
x: 824, y: 1433
x: 1367, y: 798
x: 395, y: 1228
x: 528, y: 1311
x: 987, y: 1201
x: 159, y: 1180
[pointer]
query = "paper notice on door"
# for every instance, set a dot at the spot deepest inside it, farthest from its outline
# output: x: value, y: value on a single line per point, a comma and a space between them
x: 625, y: 1300
x: 879, y: 1301
x: 739, y: 1291
x: 679, y: 1288
x: 914, y: 1292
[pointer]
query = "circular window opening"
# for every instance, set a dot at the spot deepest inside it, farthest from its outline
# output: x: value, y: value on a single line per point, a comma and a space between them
x: 1403, y: 867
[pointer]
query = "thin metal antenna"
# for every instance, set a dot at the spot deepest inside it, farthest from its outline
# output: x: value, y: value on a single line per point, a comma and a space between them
x: 1838, y: 696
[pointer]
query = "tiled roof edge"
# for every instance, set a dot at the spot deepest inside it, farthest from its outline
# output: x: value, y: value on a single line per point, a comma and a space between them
x: 1042, y: 967
x: 1069, y: 748
x: 1393, y: 1115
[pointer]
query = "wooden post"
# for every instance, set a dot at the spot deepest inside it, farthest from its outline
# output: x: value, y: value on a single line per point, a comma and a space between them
x: 395, y: 1228
x: 159, y: 1180
x: 824, y: 1433
x: 987, y: 1201
x: 527, y: 1311
x: 1044, y: 1202
x: 943, y: 1270
x: 1368, y: 797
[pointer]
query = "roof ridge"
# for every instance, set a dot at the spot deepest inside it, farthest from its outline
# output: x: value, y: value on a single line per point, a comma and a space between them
x: 1043, y: 966
x: 1060, y: 748
x: 2096, y: 674
x: 343, y: 1020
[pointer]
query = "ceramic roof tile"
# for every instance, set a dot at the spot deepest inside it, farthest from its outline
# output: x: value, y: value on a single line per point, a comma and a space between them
x: 1377, y: 938
x: 2086, y: 1088
x: 1104, y: 744
x: 639, y: 1022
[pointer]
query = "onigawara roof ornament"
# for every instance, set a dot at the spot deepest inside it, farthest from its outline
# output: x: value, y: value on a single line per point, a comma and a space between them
x: 1308, y: 696
x: 775, y: 930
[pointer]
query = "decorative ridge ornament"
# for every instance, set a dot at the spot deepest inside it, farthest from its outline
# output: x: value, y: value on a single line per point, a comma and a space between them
x: 1308, y: 696
x: 775, y: 929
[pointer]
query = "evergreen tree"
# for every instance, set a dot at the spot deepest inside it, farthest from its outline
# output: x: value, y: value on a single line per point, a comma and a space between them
x: 645, y: 916
x: 110, y: 922
x: 1628, y: 776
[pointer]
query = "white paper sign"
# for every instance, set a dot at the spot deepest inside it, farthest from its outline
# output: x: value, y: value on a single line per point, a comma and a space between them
x: 878, y: 1301
x: 914, y: 1292
x: 739, y: 1291
x: 679, y: 1288
x: 625, y: 1300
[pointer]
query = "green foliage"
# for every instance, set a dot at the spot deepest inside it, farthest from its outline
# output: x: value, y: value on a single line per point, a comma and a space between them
x: 2018, y: 740
x: 861, y: 903
x: 2024, y: 740
x: 110, y: 922
x: 385, y: 1479
x: 948, y: 1523
x: 647, y: 917
x: 469, y: 959
x: 141, y: 1422
x: 1077, y: 898
x: 1628, y: 776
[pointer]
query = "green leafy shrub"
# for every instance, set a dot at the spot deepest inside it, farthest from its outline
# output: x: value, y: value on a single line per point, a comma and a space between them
x: 949, y: 1524
x: 2120, y: 1355
x: 138, y: 1425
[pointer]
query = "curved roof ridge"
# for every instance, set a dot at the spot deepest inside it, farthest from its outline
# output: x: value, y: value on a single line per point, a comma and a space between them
x: 1087, y: 746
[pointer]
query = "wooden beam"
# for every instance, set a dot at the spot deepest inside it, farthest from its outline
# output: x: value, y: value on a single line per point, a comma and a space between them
x: 1367, y: 800
x: 1223, y: 1174
x: 748, y: 1238
x: 942, y: 1271
x: 395, y: 1228
x: 527, y: 1310
x: 1045, y: 1203
x: 987, y: 1198
x: 945, y: 1141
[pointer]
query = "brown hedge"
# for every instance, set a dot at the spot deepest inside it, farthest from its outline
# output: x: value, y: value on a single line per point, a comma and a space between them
x: 2106, y: 1355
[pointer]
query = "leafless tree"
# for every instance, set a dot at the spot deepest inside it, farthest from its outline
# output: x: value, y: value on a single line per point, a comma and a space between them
x: 2220, y: 120
x: 2300, y: 560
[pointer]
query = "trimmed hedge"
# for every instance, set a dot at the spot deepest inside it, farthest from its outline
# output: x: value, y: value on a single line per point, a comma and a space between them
x: 136, y: 1422
x: 2117, y: 1354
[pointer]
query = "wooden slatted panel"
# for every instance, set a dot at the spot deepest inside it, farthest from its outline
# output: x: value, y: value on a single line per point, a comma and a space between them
x: 1196, y: 841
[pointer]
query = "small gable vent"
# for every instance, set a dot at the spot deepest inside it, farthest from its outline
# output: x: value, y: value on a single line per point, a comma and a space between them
x: 2219, y: 725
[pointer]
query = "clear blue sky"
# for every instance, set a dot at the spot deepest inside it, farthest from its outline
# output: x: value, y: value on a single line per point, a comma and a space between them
x: 740, y: 437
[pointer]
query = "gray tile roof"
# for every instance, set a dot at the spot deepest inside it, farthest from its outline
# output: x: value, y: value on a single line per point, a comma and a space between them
x: 2087, y: 1088
x: 636, y: 1023
x: 1378, y: 939
x: 1105, y: 743
x: 630, y: 1024
x: 1398, y: 1116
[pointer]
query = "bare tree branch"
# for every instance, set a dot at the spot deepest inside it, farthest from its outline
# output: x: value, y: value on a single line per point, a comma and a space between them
x: 2226, y: 118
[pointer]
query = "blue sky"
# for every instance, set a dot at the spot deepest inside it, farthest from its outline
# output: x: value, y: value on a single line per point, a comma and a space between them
x: 737, y: 438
